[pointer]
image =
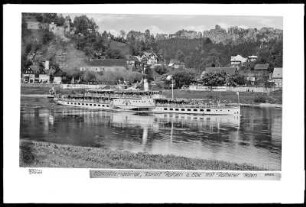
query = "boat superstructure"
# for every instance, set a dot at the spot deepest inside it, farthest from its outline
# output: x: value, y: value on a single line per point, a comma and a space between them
x: 144, y: 101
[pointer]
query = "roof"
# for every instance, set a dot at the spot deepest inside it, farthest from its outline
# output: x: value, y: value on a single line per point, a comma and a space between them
x: 148, y: 54
x: 58, y: 73
x: 42, y: 72
x: 228, y: 70
x: 28, y: 71
x: 277, y: 73
x: 107, y: 62
x: 261, y: 66
x: 238, y: 58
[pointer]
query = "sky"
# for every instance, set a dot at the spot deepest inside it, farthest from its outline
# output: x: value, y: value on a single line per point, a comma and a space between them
x: 172, y: 23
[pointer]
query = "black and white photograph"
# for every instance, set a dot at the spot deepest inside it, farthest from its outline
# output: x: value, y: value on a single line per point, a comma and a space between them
x: 151, y: 91
x: 152, y: 95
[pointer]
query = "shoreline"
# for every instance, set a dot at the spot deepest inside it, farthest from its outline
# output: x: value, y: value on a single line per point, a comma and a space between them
x: 246, y: 98
x: 46, y: 154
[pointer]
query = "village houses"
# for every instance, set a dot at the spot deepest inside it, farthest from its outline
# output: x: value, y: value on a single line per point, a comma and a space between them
x: 150, y: 58
x: 28, y: 76
x: 259, y: 74
x: 238, y: 61
x: 277, y: 77
x: 252, y: 58
x: 58, y: 76
x: 102, y: 65
x: 176, y: 64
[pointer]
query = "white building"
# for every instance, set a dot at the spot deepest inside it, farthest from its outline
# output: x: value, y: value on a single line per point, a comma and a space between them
x: 238, y: 60
x: 277, y: 77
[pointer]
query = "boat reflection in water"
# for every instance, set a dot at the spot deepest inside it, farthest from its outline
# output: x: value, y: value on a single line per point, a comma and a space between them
x: 195, y: 136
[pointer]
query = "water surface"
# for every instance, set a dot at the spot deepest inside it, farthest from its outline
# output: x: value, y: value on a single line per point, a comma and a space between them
x: 253, y: 138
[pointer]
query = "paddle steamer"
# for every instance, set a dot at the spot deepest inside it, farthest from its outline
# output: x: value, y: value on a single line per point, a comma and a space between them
x: 143, y: 101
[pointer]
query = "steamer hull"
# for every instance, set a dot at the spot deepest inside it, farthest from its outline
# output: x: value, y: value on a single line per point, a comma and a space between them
x: 196, y: 110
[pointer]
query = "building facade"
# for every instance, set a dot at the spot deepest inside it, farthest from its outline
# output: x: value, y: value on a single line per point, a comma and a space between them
x: 277, y: 77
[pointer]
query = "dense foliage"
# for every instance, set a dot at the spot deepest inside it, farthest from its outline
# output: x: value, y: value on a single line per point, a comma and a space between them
x: 196, y: 54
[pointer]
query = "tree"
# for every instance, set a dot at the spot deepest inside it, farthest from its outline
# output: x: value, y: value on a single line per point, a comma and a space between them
x: 59, y: 20
x: 183, y: 78
x: 47, y: 37
x: 236, y: 80
x: 160, y: 69
x: 214, y: 79
x: 113, y: 54
x: 179, y: 55
x: 84, y: 25
x: 89, y: 76
x: 122, y: 33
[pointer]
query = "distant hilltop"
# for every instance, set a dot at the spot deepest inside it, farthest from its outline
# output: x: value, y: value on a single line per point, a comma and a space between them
x: 233, y: 34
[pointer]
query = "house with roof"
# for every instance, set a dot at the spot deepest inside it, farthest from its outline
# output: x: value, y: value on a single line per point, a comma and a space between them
x: 227, y: 70
x: 238, y: 60
x: 259, y: 75
x: 43, y: 77
x: 263, y: 70
x: 31, y: 22
x: 252, y: 58
x: 277, y: 77
x: 58, y: 76
x: 100, y: 65
x: 28, y: 76
x: 176, y: 64
x: 150, y: 58
x: 133, y: 62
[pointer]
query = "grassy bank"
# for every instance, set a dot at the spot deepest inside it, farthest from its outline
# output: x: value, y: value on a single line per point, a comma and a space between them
x: 44, y: 154
x: 245, y: 97
x: 45, y: 90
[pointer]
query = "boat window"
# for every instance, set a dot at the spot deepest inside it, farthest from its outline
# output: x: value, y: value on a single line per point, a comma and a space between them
x: 79, y: 104
x: 228, y: 110
x: 107, y: 105
x: 86, y: 104
x: 195, y: 109
x: 90, y: 104
x: 182, y: 109
x: 201, y: 109
x: 171, y: 109
x: 176, y: 109
x: 207, y: 109
x: 94, y: 104
x: 82, y: 103
x: 103, y: 105
x: 188, y: 109
x: 165, y: 109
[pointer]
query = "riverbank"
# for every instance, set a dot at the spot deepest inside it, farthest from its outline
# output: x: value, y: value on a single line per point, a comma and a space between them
x: 248, y: 98
x: 45, y: 154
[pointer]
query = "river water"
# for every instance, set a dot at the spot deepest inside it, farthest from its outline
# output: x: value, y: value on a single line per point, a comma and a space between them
x: 253, y: 138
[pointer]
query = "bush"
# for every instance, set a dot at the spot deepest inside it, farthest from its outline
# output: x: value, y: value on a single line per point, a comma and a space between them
x: 161, y: 70
x: 260, y: 99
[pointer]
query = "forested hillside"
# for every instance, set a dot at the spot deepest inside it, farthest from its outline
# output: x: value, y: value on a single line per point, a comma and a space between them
x: 84, y: 41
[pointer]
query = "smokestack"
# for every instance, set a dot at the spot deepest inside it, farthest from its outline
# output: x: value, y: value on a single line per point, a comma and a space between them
x: 47, y: 65
x: 145, y: 85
